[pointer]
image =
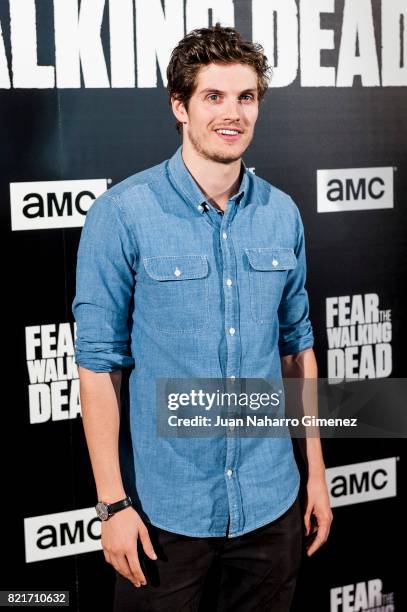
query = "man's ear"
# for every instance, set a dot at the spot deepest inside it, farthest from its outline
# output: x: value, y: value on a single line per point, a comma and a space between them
x: 179, y: 110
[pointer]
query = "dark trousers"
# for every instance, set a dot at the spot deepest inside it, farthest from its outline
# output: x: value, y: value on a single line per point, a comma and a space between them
x: 255, y: 572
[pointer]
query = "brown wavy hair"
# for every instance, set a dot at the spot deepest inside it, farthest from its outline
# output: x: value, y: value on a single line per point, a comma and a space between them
x: 203, y: 46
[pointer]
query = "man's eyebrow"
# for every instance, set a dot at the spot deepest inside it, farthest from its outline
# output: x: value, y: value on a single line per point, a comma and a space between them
x: 219, y: 91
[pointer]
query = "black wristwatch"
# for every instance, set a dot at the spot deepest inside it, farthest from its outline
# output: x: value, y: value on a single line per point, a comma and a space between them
x: 105, y: 511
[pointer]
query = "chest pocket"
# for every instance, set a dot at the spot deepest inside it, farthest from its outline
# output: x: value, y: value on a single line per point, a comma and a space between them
x: 268, y: 269
x: 174, y: 292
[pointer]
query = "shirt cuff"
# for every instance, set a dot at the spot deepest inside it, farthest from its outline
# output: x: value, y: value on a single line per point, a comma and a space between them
x: 98, y: 361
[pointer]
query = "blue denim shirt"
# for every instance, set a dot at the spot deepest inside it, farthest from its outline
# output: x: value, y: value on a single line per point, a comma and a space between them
x: 236, y: 304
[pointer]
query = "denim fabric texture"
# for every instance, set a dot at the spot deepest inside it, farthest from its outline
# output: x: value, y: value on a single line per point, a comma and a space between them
x: 168, y: 287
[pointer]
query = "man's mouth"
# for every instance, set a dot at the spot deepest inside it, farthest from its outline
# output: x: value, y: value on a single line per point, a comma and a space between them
x: 229, y: 135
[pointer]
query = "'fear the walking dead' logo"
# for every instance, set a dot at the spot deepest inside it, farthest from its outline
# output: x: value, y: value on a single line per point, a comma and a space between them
x: 53, y: 389
x: 362, y: 597
x: 359, y: 336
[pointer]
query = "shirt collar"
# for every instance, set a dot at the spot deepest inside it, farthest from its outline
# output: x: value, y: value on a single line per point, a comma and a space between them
x: 190, y: 189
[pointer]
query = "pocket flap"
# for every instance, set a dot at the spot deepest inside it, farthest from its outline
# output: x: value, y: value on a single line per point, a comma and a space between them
x: 176, y: 267
x: 272, y: 258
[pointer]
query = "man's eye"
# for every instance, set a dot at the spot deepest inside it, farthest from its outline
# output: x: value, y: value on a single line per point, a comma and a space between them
x: 247, y: 97
x: 213, y: 96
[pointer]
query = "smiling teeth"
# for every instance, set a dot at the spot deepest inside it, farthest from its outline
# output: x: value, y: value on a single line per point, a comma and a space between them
x: 228, y: 132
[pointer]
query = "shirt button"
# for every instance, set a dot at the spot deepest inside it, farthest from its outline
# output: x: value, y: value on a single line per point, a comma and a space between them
x: 232, y: 330
x: 200, y: 208
x: 177, y: 272
x: 229, y: 282
x: 224, y: 235
x: 274, y: 262
x: 232, y: 378
x: 229, y: 472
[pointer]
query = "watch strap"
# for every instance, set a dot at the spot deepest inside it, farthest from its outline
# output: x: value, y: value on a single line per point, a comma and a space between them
x: 120, y: 505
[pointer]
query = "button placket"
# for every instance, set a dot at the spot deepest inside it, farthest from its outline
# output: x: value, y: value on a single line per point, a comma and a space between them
x: 232, y: 361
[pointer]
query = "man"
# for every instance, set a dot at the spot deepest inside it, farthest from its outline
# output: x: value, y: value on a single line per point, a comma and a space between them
x: 195, y: 268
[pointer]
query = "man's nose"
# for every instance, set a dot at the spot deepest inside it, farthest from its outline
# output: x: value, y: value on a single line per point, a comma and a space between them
x: 231, y: 110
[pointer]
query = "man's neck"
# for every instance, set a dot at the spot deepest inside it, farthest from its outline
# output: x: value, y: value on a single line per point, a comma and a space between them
x: 217, y: 181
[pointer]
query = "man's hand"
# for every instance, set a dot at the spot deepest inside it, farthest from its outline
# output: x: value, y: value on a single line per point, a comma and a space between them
x: 319, y: 507
x: 119, y: 541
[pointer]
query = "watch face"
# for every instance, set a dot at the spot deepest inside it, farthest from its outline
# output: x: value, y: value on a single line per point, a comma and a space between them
x: 102, y: 511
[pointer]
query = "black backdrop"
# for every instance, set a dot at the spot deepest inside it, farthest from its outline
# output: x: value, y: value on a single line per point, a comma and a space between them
x: 83, y: 133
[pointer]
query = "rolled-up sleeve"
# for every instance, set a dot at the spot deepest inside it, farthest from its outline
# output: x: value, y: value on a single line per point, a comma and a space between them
x: 105, y: 279
x: 295, y: 332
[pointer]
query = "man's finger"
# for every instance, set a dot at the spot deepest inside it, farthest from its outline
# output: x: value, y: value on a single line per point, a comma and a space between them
x: 135, y: 567
x: 307, y: 518
x: 146, y: 543
x: 320, y: 538
x: 107, y: 556
x: 121, y: 565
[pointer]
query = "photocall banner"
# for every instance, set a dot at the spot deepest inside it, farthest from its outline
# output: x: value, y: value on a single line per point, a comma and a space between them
x: 83, y: 106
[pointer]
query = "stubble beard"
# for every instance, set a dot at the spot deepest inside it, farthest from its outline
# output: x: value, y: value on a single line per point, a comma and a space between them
x: 220, y: 158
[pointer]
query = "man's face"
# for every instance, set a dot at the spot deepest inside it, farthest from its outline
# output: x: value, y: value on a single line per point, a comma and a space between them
x: 225, y: 97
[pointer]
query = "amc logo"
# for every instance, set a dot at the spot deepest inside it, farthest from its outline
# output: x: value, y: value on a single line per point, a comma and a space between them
x: 61, y: 534
x: 354, y: 189
x: 361, y: 482
x: 52, y: 204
